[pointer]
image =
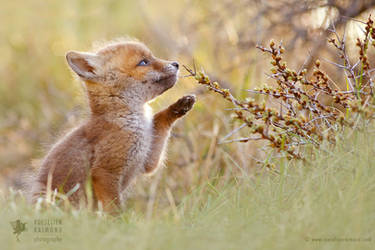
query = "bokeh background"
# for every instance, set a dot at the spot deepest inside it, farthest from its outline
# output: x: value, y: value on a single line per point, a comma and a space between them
x: 40, y: 100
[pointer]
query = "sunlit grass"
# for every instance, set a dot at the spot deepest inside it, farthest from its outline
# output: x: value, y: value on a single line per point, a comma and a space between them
x: 328, y: 204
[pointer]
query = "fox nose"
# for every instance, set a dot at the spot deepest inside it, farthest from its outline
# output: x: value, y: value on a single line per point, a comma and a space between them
x: 175, y: 64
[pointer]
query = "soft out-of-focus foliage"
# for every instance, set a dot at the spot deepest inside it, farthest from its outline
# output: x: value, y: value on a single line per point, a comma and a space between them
x: 39, y: 99
x: 301, y: 112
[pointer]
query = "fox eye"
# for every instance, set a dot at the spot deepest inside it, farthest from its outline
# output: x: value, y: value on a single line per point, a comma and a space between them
x: 144, y: 62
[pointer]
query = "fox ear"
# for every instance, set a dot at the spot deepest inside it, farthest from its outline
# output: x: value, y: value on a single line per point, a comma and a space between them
x: 86, y: 65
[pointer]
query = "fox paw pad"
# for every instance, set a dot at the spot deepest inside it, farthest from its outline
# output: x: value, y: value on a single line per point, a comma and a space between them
x: 183, y: 105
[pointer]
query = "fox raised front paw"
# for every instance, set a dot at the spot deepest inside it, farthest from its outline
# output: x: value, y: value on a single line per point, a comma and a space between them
x: 183, y: 105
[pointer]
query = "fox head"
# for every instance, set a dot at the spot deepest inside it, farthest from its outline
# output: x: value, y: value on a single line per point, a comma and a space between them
x: 127, y: 70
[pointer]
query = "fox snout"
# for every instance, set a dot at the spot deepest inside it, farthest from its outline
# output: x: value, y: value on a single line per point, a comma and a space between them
x: 171, y: 75
x: 175, y: 64
x: 171, y: 68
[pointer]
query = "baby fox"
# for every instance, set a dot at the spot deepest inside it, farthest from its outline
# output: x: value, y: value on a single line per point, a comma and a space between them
x: 120, y: 139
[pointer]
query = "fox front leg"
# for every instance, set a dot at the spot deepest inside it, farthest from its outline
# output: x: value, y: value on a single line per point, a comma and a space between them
x: 162, y: 124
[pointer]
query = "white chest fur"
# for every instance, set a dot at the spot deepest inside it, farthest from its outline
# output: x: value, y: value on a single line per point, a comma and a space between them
x: 139, y: 124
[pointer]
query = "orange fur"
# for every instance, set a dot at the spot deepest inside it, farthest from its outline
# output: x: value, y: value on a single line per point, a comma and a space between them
x: 119, y: 140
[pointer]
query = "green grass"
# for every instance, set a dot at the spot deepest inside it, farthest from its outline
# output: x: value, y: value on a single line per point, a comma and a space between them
x: 332, y: 198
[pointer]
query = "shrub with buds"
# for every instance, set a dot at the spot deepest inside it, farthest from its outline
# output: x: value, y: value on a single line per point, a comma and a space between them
x: 303, y: 117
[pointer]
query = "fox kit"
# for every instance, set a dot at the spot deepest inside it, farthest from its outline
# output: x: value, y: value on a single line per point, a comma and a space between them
x: 120, y: 139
